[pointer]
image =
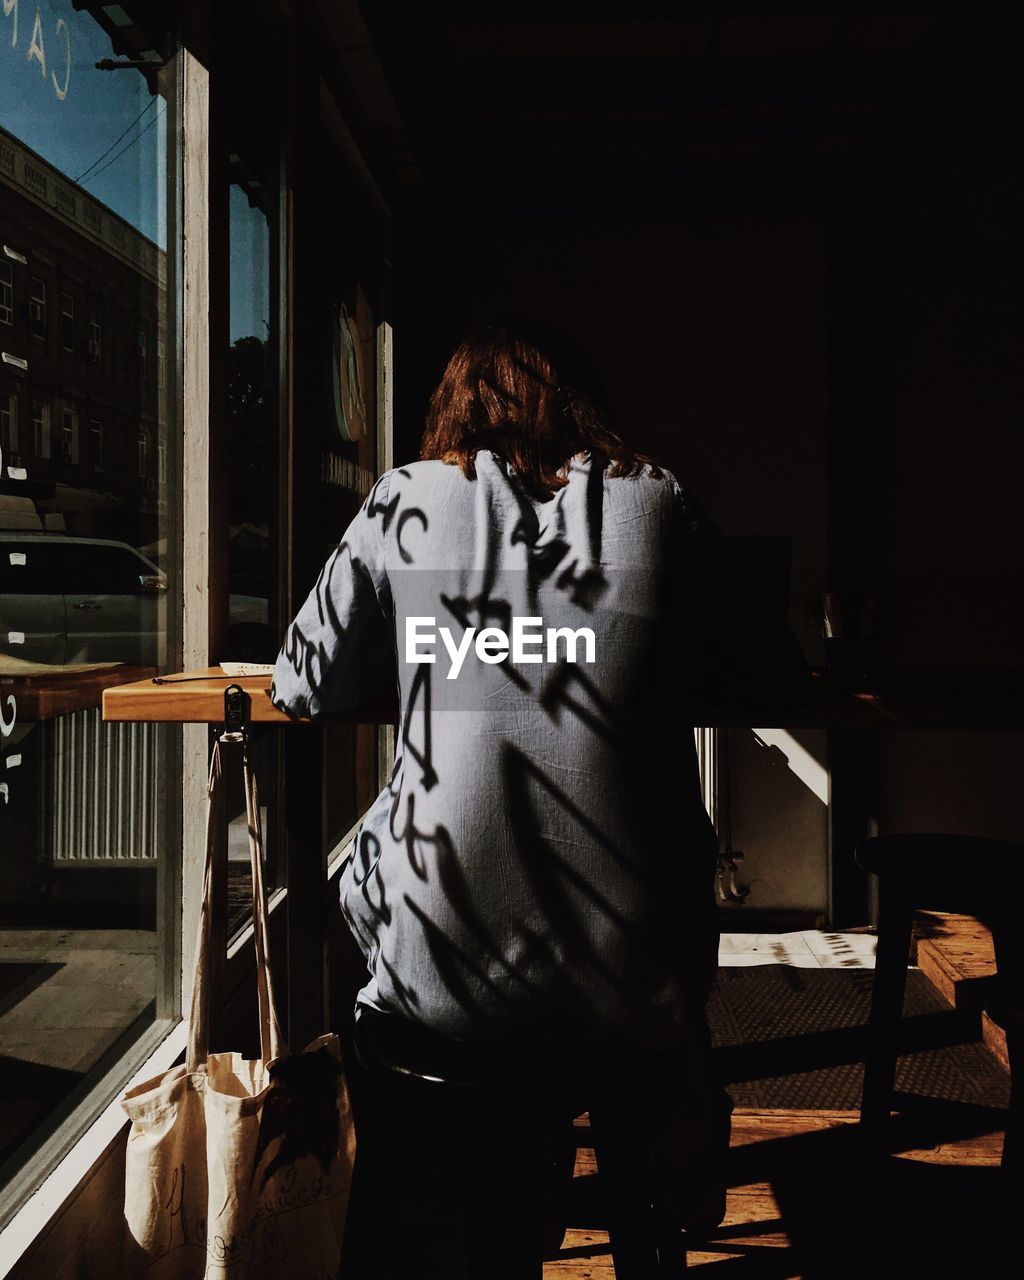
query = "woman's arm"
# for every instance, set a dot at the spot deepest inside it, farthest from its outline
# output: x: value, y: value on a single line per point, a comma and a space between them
x: 339, y: 651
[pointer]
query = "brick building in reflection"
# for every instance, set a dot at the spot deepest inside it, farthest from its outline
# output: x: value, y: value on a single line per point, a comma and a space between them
x: 83, y: 364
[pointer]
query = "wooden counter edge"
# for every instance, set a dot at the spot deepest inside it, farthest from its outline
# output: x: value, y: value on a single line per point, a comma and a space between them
x: 200, y: 700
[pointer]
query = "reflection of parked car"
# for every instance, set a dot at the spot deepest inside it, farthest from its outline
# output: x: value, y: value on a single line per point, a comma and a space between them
x: 65, y: 599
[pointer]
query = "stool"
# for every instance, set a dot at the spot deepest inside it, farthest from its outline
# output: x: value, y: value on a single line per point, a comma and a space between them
x: 500, y: 1100
x: 966, y: 874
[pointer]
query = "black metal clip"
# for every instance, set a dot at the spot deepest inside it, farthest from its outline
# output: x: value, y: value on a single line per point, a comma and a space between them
x: 237, y: 705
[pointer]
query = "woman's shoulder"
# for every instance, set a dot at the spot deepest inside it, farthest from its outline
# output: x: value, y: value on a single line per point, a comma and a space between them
x: 646, y: 481
x: 427, y: 472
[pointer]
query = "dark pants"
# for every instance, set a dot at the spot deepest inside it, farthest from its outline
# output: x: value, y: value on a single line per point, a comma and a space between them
x: 468, y: 1181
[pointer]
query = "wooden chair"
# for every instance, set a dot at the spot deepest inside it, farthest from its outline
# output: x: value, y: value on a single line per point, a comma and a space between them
x: 964, y: 874
x: 500, y: 1103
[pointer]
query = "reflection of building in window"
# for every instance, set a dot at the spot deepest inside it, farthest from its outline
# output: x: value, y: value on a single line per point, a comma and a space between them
x: 41, y: 427
x: 6, y: 293
x: 67, y: 322
x: 107, y: 286
x: 143, y: 452
x: 37, y: 307
x: 119, y: 346
x: 95, y: 337
x: 69, y: 434
x: 161, y: 463
x: 96, y: 443
x: 9, y: 421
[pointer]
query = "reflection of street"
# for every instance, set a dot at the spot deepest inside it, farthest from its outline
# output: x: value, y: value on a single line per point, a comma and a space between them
x: 65, y: 996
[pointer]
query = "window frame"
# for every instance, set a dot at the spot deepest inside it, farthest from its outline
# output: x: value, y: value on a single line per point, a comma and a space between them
x: 66, y: 301
x: 39, y: 1197
x: 96, y: 335
x: 42, y: 428
x: 6, y: 292
x: 96, y: 434
x: 10, y: 434
x: 37, y: 319
x: 70, y: 421
x: 198, y: 584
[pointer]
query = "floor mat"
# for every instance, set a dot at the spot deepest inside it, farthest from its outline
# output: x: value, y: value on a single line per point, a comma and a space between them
x: 796, y: 1037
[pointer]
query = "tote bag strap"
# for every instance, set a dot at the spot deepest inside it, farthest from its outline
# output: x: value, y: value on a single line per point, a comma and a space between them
x: 199, y: 1015
x: 272, y: 1043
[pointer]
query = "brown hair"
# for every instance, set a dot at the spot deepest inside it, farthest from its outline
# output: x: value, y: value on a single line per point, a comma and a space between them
x: 502, y: 390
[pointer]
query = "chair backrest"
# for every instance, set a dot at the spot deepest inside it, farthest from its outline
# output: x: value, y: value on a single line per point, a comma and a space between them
x: 945, y: 872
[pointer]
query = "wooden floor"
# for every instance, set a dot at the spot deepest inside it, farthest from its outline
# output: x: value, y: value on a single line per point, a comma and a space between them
x: 804, y: 1200
x: 956, y: 954
x: 800, y: 1206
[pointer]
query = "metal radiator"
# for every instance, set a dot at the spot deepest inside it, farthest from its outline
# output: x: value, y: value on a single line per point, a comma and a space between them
x: 104, y: 791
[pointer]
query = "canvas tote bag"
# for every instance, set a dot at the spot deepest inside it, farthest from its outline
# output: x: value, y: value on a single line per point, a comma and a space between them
x: 238, y: 1168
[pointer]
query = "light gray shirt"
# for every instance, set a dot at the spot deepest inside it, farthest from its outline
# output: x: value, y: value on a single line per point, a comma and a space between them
x: 540, y: 862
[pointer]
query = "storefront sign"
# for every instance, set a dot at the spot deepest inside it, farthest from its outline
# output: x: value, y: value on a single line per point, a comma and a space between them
x: 59, y: 42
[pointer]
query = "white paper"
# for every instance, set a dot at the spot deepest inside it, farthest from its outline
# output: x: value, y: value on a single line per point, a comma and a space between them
x: 15, y: 637
x: 17, y: 473
x: 17, y: 557
x: 247, y: 668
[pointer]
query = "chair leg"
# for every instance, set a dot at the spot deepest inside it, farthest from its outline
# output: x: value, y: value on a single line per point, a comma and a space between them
x: 892, y: 956
x: 559, y: 1165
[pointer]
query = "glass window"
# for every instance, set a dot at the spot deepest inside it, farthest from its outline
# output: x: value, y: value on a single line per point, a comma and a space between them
x: 69, y: 435
x: 142, y: 351
x: 30, y: 566
x: 67, y: 321
x: 6, y: 293
x: 143, y: 452
x: 95, y: 337
x: 37, y: 306
x: 62, y: 566
x: 9, y: 421
x: 90, y: 832
x: 41, y: 428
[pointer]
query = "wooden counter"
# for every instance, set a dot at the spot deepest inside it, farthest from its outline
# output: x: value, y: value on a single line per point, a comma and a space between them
x: 42, y: 695
x: 197, y: 697
x: 931, y: 701
x: 187, y: 697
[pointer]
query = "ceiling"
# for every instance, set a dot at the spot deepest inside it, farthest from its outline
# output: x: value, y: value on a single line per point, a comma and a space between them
x: 542, y: 104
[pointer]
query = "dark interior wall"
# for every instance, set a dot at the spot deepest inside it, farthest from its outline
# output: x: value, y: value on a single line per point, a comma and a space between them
x: 835, y: 358
x: 952, y: 448
x: 955, y: 390
x: 709, y: 335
